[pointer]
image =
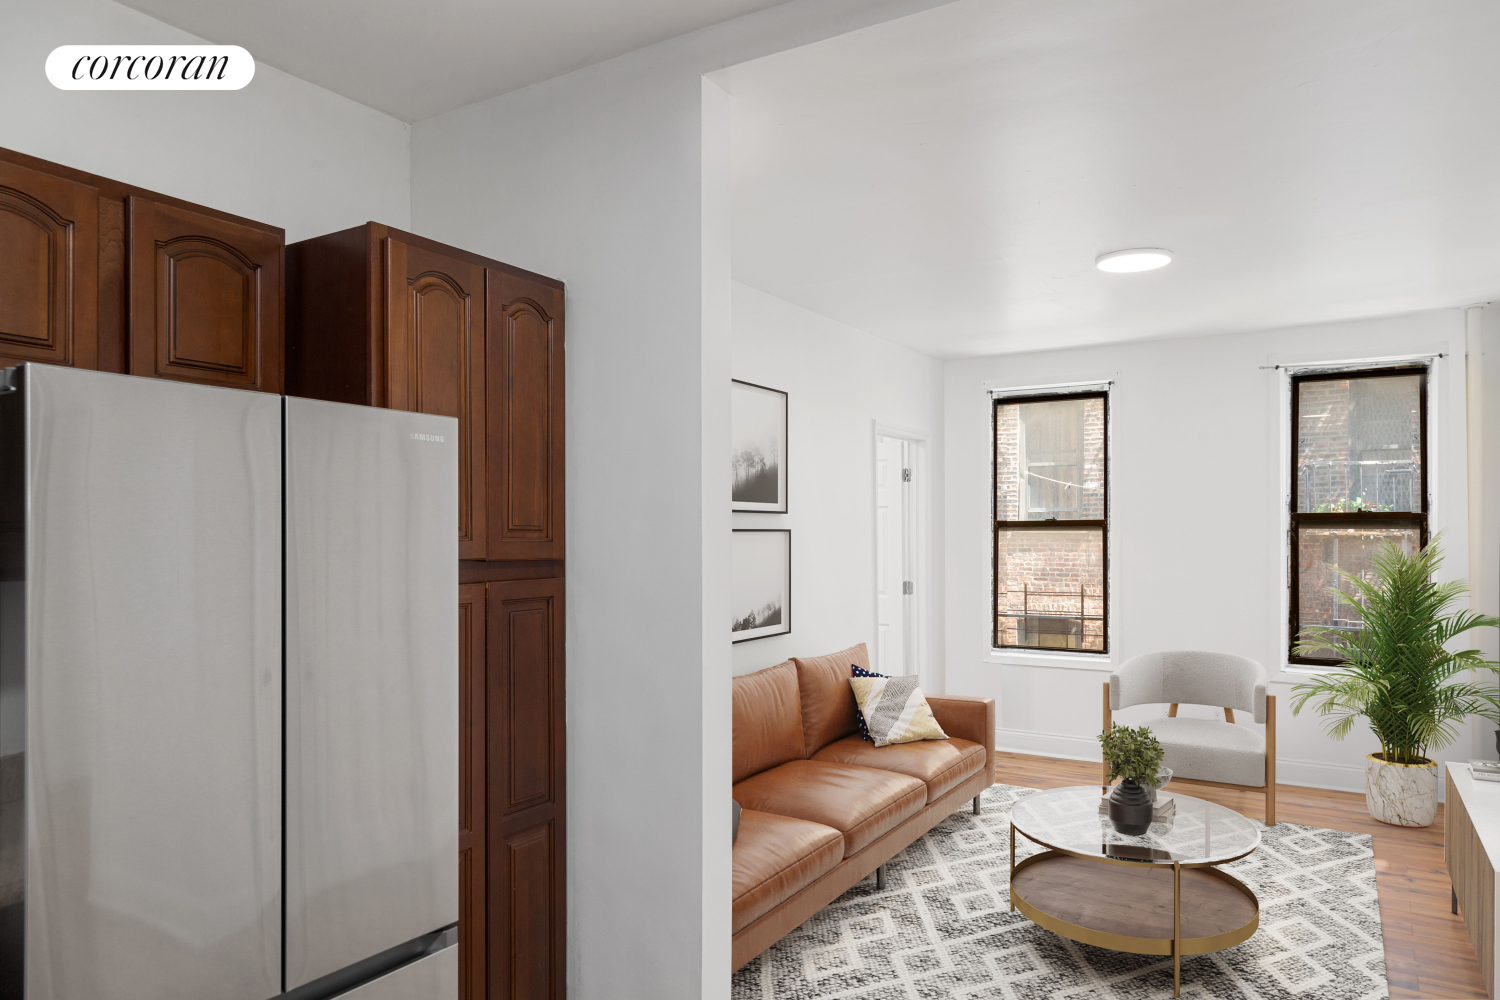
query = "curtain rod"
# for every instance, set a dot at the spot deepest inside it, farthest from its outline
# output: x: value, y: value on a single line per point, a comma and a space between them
x: 1354, y: 361
x: 1079, y: 386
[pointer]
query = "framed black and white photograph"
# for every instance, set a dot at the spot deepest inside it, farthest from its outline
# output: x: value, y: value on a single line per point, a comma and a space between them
x: 761, y: 583
x: 757, y: 427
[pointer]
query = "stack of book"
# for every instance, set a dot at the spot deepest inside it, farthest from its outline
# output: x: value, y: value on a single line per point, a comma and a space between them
x: 1485, y: 770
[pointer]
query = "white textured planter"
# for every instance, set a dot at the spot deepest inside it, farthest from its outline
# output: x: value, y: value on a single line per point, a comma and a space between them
x: 1401, y: 794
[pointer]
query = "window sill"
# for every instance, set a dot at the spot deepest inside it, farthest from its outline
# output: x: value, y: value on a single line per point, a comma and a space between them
x: 1102, y: 662
x: 1294, y: 672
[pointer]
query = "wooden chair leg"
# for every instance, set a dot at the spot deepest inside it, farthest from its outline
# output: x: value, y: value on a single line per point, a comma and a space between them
x: 1172, y: 710
x: 1104, y: 775
x: 1228, y: 714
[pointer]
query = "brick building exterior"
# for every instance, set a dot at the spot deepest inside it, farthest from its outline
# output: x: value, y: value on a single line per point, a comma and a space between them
x: 1359, y: 442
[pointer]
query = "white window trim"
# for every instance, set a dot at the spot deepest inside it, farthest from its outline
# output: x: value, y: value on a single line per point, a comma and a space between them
x: 1098, y: 662
x: 1285, y: 372
x: 1101, y: 662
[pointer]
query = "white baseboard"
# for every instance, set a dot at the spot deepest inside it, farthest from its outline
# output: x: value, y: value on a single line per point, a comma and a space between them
x: 1047, y: 744
x: 1313, y: 774
x: 1306, y: 773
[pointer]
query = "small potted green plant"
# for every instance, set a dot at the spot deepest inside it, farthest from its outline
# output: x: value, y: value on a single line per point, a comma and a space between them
x: 1397, y: 673
x: 1134, y: 756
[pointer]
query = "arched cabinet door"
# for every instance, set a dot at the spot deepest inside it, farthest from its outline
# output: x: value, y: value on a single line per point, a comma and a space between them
x: 525, y: 343
x: 205, y: 298
x: 473, y: 896
x: 434, y: 361
x: 526, y: 794
x: 49, y: 259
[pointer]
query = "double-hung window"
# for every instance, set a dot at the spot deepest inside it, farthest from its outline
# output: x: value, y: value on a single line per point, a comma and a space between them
x: 1051, y: 522
x: 1359, y: 481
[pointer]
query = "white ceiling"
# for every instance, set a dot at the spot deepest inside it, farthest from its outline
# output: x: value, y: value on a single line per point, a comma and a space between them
x: 419, y: 58
x: 946, y: 180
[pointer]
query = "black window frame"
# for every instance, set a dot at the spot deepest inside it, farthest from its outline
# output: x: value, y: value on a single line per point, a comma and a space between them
x: 1353, y: 519
x: 1049, y: 524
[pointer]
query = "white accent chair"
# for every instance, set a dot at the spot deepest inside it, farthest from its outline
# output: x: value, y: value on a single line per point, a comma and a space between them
x: 1206, y: 750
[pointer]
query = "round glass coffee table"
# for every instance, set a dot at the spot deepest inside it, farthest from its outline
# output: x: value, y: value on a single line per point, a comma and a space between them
x: 1156, y: 894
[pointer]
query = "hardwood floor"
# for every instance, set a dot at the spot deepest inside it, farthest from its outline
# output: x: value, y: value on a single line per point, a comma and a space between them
x: 1427, y: 950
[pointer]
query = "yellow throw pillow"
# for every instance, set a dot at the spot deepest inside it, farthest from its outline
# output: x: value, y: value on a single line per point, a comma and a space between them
x: 895, y: 710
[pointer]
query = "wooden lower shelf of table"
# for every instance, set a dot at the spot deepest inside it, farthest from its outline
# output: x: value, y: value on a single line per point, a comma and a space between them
x: 1129, y: 907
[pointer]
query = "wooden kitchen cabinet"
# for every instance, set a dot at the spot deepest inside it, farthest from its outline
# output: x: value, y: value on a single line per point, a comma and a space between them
x: 385, y: 318
x: 380, y: 317
x: 103, y: 275
x: 526, y: 837
x: 472, y: 870
x: 49, y: 259
x: 205, y: 298
x: 526, y: 418
x: 434, y: 361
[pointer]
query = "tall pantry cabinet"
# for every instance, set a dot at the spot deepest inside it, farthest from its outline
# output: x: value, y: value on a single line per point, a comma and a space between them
x: 380, y: 317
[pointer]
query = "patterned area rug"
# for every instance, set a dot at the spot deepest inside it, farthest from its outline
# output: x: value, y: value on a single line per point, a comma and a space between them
x: 943, y: 929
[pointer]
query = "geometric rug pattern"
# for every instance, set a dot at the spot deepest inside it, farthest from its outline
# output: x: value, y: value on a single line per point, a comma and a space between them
x: 943, y: 930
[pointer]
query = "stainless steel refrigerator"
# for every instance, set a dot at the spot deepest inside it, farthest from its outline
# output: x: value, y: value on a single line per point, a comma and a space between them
x: 228, y: 694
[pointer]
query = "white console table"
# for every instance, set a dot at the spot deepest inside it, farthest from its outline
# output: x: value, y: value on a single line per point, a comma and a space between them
x: 1471, y: 848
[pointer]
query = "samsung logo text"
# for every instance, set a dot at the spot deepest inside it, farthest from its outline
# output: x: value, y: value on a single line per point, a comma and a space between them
x: 150, y: 67
x: 427, y: 437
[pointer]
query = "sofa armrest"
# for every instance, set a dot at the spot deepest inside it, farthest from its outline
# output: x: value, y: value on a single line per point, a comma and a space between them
x: 968, y: 718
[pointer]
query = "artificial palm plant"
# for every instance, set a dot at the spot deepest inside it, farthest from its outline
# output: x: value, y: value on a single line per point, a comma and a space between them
x: 1397, y: 671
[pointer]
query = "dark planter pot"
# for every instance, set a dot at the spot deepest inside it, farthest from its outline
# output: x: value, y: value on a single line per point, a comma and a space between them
x: 1130, y: 808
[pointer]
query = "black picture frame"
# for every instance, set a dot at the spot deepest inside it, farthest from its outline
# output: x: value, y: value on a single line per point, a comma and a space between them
x: 760, y: 577
x: 758, y: 425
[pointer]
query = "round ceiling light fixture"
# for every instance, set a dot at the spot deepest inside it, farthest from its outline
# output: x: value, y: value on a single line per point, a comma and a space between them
x: 1130, y: 261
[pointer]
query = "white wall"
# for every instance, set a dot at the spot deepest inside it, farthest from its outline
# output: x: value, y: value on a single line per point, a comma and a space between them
x: 1198, y: 521
x: 281, y: 151
x: 604, y: 192
x: 610, y: 178
x: 1484, y: 579
x: 839, y: 381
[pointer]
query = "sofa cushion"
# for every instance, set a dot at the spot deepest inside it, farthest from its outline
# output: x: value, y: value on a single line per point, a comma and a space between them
x: 939, y: 764
x: 828, y: 709
x: 1212, y: 750
x: 859, y: 717
x: 767, y: 720
x: 894, y: 710
x: 775, y: 857
x: 862, y: 803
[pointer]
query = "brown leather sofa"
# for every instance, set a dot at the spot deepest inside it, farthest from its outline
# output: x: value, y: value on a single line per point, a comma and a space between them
x: 822, y: 807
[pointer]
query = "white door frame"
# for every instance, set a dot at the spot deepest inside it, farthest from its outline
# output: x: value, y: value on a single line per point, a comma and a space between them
x: 917, y: 530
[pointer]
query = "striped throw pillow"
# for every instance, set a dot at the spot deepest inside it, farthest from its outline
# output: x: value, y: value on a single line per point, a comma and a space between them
x: 895, y: 710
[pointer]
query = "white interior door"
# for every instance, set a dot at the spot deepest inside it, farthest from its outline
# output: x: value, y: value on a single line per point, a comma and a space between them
x: 891, y: 556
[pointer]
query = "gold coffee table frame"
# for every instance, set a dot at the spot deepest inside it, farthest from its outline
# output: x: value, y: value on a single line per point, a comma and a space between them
x: 1177, y: 945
